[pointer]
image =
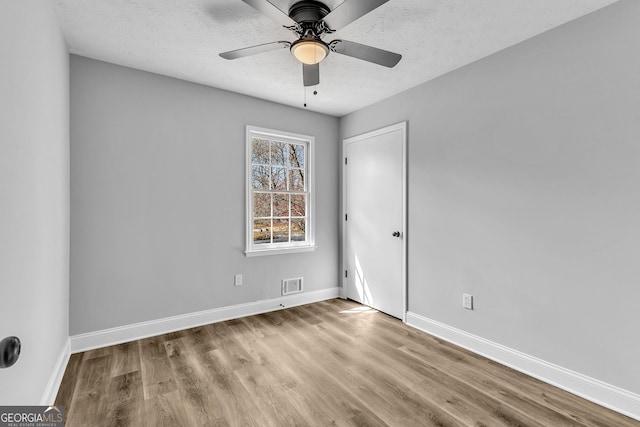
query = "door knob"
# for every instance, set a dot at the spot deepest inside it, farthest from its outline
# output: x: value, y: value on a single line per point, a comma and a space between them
x: 9, y: 351
x: 396, y: 234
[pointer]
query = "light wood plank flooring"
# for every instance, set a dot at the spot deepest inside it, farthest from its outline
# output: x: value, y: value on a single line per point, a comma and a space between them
x: 330, y: 363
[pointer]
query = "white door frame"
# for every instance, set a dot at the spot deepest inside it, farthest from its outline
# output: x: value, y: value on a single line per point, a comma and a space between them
x: 402, y: 126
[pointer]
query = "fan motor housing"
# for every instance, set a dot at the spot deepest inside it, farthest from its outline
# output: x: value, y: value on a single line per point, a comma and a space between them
x: 308, y: 11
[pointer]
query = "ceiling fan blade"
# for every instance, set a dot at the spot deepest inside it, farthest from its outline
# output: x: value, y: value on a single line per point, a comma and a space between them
x: 311, y: 74
x: 366, y: 53
x: 269, y: 9
x: 349, y: 11
x: 253, y: 50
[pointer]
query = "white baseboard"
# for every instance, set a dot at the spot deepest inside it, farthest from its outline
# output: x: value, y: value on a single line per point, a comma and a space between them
x: 151, y: 328
x: 51, y: 390
x: 612, y: 397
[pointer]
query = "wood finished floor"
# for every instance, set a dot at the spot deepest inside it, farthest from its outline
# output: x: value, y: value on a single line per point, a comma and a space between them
x: 330, y: 363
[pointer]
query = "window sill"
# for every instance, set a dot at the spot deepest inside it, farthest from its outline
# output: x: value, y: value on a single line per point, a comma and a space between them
x: 282, y: 251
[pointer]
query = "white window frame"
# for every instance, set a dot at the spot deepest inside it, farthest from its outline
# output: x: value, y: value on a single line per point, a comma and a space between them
x: 252, y: 249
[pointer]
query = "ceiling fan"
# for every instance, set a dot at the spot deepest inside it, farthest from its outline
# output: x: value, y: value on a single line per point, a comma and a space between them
x: 310, y: 20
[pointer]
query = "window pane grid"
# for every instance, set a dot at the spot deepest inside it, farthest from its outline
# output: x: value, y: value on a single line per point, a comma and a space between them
x: 279, y: 190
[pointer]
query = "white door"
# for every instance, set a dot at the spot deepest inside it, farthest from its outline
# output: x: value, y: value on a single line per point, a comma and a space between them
x: 374, y: 200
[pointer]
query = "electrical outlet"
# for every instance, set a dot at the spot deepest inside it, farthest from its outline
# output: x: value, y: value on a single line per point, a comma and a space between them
x: 237, y: 280
x: 467, y: 301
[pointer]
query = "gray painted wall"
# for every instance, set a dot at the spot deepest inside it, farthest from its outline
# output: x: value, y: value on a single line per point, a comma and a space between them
x: 158, y: 198
x: 34, y: 195
x: 524, y: 173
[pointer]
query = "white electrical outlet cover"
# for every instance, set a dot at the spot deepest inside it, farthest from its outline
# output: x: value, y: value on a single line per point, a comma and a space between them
x: 467, y: 301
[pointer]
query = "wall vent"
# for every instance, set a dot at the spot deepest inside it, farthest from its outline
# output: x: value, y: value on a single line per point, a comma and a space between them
x: 292, y: 286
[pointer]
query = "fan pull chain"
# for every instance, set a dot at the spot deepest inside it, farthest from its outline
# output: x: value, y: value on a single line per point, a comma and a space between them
x: 315, y: 92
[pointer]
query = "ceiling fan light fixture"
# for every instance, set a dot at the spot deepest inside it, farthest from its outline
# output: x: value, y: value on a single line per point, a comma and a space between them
x: 309, y: 51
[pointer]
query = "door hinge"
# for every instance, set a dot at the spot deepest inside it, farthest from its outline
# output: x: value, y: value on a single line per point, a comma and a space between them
x: 345, y: 217
x: 346, y: 274
x: 345, y: 160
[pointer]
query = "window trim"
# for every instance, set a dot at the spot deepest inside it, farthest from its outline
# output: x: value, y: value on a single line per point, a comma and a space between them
x: 279, y: 248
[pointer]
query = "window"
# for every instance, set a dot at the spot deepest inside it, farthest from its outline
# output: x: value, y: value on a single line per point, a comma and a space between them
x: 279, y: 192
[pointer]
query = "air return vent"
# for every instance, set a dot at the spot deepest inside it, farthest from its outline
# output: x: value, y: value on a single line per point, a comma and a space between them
x: 291, y: 286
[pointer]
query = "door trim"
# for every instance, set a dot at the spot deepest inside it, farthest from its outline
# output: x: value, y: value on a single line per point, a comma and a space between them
x: 402, y: 127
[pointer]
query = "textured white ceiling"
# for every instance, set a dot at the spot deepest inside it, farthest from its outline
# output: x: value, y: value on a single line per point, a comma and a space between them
x: 182, y: 38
